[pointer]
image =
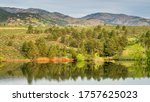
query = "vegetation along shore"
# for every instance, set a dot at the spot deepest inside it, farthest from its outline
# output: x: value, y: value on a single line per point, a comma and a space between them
x: 74, y: 43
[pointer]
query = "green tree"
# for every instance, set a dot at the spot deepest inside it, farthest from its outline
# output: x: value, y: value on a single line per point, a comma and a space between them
x: 100, y: 35
x: 42, y: 47
x: 89, y: 46
x: 148, y: 56
x: 25, y: 48
x: 30, y: 50
x: 112, y: 34
x: 73, y: 53
x: 110, y: 47
x: 74, y: 43
x: 146, y: 39
x: 117, y: 27
x: 30, y: 29
x: 52, y: 51
x: 123, y: 28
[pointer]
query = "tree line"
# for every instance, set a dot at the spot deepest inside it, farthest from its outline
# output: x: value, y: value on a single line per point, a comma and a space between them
x: 88, y: 41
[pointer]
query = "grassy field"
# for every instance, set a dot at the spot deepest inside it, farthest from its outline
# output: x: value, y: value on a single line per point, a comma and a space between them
x: 133, y: 51
x: 11, y: 39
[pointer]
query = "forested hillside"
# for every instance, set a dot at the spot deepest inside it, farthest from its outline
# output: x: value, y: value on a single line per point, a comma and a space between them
x: 79, y: 43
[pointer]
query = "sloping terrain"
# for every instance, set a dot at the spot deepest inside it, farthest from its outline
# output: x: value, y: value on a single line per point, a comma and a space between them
x: 118, y: 19
x: 39, y: 17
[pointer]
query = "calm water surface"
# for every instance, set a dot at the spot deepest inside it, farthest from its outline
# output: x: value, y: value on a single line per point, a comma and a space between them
x: 81, y: 73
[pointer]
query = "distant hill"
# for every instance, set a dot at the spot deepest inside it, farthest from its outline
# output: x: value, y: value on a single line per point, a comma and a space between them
x: 39, y: 17
x: 18, y: 16
x: 118, y: 19
x: 4, y: 15
x: 31, y: 16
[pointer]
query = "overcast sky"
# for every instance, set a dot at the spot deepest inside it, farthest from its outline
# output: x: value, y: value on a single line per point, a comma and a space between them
x: 79, y: 8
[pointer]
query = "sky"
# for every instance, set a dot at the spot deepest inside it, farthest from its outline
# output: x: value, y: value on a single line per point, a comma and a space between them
x: 80, y: 8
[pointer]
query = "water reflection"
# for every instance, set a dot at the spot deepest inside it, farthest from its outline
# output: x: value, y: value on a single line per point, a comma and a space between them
x: 74, y: 71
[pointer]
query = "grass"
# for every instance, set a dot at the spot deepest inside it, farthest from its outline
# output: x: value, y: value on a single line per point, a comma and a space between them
x: 16, y: 35
x: 135, y: 51
x: 12, y: 30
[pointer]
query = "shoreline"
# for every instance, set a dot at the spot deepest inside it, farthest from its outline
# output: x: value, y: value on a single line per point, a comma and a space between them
x: 41, y: 60
x: 65, y: 59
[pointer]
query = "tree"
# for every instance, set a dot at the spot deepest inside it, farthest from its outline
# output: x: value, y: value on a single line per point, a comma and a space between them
x: 99, y: 47
x: 74, y: 43
x: 126, y: 32
x: 123, y: 28
x: 30, y: 29
x: 123, y: 40
x: 117, y: 27
x: 50, y: 37
x: 148, y: 56
x: 89, y: 46
x: 89, y: 33
x: 110, y: 47
x: 30, y: 50
x: 146, y: 39
x: 73, y: 53
x: 25, y: 48
x: 112, y: 34
x: 62, y: 39
x: 33, y: 51
x: 52, y: 51
x: 42, y: 47
x: 100, y: 35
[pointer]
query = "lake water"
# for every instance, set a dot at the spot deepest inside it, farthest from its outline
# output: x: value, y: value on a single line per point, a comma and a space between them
x: 81, y: 73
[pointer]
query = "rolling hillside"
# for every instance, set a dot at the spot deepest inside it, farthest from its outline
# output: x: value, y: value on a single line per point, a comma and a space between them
x: 118, y: 19
x: 39, y: 17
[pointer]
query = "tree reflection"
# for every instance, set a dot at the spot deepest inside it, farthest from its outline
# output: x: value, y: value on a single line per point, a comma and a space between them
x: 115, y: 71
x: 73, y: 71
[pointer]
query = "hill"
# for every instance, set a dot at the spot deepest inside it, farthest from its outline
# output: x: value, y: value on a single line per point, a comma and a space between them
x: 17, y: 16
x: 118, y: 19
x: 39, y: 17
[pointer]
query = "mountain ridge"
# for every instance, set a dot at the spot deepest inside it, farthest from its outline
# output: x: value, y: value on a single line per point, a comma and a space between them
x: 118, y: 19
x: 35, y: 16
